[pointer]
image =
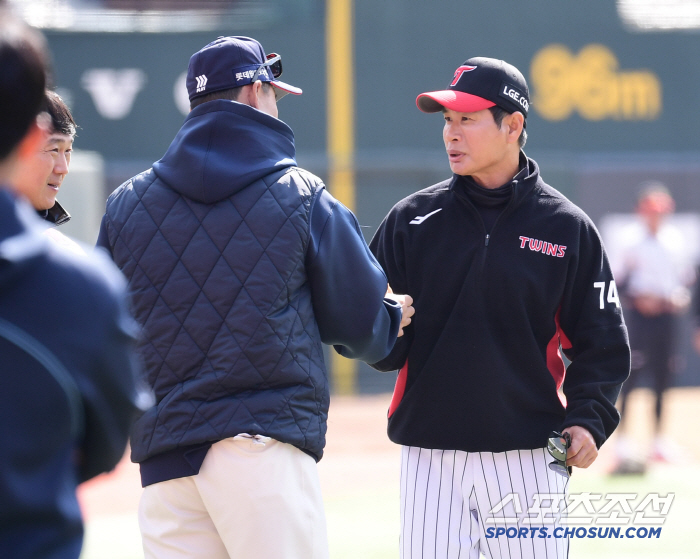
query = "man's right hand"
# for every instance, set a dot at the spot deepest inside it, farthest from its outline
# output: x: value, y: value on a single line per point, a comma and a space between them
x: 407, y: 310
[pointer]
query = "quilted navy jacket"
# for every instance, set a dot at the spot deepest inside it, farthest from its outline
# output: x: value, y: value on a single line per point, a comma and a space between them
x: 239, y: 265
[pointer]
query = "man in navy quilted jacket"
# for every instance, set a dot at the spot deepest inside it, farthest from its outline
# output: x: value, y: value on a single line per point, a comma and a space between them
x: 240, y: 265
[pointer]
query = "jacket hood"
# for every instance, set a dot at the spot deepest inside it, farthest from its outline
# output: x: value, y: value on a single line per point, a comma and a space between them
x: 222, y: 147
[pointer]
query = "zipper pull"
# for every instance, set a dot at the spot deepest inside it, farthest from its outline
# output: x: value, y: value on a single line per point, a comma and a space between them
x: 486, y: 242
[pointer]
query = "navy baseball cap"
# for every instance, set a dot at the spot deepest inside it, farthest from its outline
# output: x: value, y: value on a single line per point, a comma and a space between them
x: 478, y: 84
x: 231, y: 62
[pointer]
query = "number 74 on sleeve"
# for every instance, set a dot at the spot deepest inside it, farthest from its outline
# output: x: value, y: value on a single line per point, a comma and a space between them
x: 612, y: 293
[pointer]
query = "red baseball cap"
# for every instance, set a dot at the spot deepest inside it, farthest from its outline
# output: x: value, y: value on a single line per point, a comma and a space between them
x: 478, y: 84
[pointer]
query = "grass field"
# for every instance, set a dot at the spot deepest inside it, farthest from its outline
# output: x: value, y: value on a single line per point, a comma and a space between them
x: 360, y: 481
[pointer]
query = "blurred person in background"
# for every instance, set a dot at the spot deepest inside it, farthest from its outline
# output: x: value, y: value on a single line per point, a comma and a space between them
x: 654, y: 273
x: 40, y: 177
x: 68, y: 390
x: 241, y: 264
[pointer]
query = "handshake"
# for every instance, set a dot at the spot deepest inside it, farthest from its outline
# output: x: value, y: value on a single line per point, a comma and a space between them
x: 407, y: 310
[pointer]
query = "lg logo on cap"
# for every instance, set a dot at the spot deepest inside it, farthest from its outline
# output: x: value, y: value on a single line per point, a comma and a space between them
x: 515, y: 96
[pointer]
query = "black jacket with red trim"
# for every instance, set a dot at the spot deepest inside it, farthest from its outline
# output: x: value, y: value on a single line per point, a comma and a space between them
x: 481, y: 363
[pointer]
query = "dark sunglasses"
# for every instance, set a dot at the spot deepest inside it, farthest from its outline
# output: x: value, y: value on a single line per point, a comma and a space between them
x: 274, y: 62
x: 558, y: 450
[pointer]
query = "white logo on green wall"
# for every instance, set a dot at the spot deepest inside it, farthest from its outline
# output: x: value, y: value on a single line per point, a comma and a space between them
x: 113, y: 91
x: 592, y: 84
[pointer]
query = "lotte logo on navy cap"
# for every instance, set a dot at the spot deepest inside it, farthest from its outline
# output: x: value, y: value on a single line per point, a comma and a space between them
x: 230, y: 62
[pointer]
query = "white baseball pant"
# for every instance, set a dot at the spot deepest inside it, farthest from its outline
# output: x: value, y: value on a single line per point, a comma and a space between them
x: 447, y: 499
x: 254, y: 498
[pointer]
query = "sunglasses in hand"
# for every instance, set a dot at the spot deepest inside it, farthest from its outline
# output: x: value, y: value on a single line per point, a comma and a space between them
x: 557, y: 446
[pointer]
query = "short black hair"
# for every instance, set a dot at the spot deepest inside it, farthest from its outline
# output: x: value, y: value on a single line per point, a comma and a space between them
x: 498, y: 116
x: 23, y: 69
x: 61, y: 117
x: 226, y: 94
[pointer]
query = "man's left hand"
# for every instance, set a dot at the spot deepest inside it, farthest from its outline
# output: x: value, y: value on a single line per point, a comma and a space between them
x: 583, y: 451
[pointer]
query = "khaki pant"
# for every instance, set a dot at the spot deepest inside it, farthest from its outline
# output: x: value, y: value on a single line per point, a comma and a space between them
x: 254, y: 498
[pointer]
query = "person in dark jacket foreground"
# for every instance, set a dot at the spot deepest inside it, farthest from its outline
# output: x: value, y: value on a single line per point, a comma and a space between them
x: 240, y: 264
x: 68, y: 392
x: 504, y: 272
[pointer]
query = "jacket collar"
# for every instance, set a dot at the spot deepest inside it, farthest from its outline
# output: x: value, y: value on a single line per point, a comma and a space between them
x: 522, y: 183
x: 55, y: 215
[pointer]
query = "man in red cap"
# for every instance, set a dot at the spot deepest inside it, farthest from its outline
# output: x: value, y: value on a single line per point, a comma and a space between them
x: 504, y: 272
